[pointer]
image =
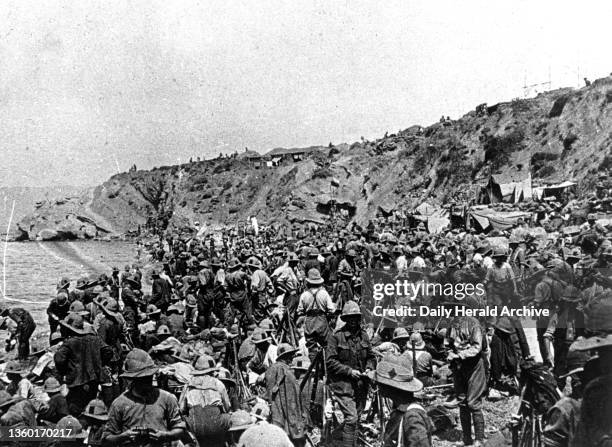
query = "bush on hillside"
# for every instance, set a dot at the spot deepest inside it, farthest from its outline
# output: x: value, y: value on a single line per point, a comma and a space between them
x: 498, y: 149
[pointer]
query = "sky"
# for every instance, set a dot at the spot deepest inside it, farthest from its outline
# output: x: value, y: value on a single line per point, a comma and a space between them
x: 88, y: 89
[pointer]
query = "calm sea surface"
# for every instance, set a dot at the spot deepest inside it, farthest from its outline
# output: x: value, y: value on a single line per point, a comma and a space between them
x: 32, y: 269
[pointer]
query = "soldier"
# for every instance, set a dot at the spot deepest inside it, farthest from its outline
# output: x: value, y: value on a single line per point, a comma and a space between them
x: 408, y: 424
x: 466, y: 340
x: 161, y: 291
x: 111, y: 331
x: 205, y: 403
x: 80, y: 359
x: 283, y: 393
x: 499, y: 280
x: 593, y: 427
x: 552, y: 331
x: 128, y: 422
x: 330, y: 267
x: 349, y: 359
x: 348, y: 265
x: 288, y: 281
x: 130, y: 294
x: 237, y: 286
x: 316, y: 306
x: 58, y: 309
x: 261, y: 287
x: 562, y: 418
x: 313, y: 260
x: 206, y: 295
x: 25, y: 329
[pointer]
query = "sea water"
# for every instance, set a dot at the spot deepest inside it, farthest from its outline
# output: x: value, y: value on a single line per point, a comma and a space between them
x: 30, y: 271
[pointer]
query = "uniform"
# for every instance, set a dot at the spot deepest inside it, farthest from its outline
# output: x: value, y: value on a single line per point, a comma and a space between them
x: 315, y: 304
x: 466, y: 339
x: 347, y: 351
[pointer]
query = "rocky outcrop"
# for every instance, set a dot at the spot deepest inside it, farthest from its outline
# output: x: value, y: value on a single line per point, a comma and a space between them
x: 64, y: 219
x: 560, y: 135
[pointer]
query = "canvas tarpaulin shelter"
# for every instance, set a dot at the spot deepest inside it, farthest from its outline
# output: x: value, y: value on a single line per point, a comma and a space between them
x: 436, y: 225
x: 541, y: 192
x: 436, y: 219
x: 498, y: 220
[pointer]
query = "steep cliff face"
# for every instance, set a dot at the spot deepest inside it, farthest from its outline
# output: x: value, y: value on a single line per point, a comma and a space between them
x: 560, y: 135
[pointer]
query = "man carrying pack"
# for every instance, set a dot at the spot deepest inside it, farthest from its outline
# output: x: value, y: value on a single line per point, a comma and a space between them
x: 349, y: 359
x: 205, y: 403
x: 316, y: 306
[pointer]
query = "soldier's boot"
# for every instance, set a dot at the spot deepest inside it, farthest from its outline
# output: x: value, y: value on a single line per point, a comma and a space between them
x: 479, y: 425
x: 466, y: 425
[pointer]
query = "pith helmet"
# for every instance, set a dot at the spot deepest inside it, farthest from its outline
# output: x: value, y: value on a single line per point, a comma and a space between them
x: 71, y: 425
x: 52, y: 385
x: 96, y: 409
x: 264, y: 434
x: 267, y: 325
x: 77, y: 307
x: 314, y: 277
x: 400, y: 334
x: 240, y: 420
x: 350, y: 309
x: 261, y: 410
x: 301, y: 363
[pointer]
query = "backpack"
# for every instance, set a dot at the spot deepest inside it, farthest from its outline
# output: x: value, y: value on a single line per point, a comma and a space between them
x: 203, y: 391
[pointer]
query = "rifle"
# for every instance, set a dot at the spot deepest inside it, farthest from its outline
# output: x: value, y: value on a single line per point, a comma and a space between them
x: 316, y: 370
x: 381, y: 414
x: 414, y: 360
x: 243, y: 390
x: 287, y: 330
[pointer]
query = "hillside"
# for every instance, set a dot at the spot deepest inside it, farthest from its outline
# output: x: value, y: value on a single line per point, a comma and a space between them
x: 560, y: 135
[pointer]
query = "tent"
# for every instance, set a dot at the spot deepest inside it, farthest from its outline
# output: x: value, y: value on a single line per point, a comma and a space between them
x: 507, y: 188
x: 425, y: 209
